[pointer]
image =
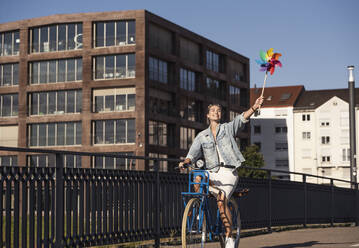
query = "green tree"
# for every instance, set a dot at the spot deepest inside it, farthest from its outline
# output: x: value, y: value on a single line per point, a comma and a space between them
x: 253, y: 159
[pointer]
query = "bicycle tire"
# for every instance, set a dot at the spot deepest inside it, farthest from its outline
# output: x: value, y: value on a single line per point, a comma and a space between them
x: 192, y: 234
x: 236, y: 228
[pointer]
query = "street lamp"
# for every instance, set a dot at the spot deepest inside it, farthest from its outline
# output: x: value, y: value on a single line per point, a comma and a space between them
x: 351, y: 85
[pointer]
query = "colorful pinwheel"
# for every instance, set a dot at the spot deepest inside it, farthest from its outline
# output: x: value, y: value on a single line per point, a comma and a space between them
x: 268, y: 62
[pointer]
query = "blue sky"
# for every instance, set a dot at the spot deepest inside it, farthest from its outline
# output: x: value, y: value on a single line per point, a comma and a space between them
x: 318, y: 38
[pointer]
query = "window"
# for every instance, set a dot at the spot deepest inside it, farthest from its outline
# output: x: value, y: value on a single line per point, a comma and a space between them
x: 215, y: 88
x: 214, y: 61
x: 70, y: 161
x: 114, y: 131
x: 9, y: 74
x: 114, y: 33
x: 54, y: 38
x: 114, y: 99
x: 163, y: 164
x: 281, y: 146
x: 115, y: 66
x: 158, y: 70
x: 306, y: 135
x: 188, y: 80
x: 55, y: 134
x: 325, y: 140
x: 187, y: 136
x: 9, y: 43
x: 257, y: 129
x: 8, y: 105
x: 55, y: 102
x: 285, y: 96
x: 163, y: 103
x: 190, y: 109
x: 157, y: 132
x: 258, y: 144
x: 325, y: 159
x: 234, y: 95
x: 324, y: 123
x: 104, y: 162
x: 281, y: 129
x: 55, y: 71
x: 346, y: 154
x: 8, y: 160
x: 237, y: 71
x: 282, y: 162
x: 306, y: 117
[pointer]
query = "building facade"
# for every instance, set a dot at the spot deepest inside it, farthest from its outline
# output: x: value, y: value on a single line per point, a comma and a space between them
x: 129, y: 82
x: 322, y: 145
x: 272, y: 129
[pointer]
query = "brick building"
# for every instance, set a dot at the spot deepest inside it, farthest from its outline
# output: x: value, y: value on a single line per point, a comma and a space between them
x: 127, y: 82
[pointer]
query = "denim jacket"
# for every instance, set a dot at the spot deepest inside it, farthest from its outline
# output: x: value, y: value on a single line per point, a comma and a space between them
x: 204, y: 145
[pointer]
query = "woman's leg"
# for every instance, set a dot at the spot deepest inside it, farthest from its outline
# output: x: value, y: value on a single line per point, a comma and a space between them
x: 224, y: 212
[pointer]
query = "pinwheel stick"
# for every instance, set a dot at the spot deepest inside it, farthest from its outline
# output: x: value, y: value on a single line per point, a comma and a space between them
x: 264, y: 83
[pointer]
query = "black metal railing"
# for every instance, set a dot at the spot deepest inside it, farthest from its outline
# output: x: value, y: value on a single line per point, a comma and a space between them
x: 80, y: 207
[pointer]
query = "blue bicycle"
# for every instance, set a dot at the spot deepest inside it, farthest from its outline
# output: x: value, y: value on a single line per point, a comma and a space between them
x: 197, y: 226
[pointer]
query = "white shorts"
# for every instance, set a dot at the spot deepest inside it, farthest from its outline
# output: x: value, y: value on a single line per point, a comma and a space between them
x: 224, y: 180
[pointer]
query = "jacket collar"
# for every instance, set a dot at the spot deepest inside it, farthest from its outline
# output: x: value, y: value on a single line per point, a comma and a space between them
x: 219, y: 131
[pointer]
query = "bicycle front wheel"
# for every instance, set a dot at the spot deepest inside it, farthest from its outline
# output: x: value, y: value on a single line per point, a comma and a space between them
x: 193, y: 225
x: 236, y: 224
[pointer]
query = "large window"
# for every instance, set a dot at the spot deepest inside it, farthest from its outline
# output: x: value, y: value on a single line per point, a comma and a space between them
x: 234, y: 95
x: 8, y: 160
x: 54, y: 71
x: 114, y: 131
x: 55, y: 102
x: 8, y: 105
x: 281, y: 146
x: 216, y: 88
x: 9, y: 74
x: 58, y: 37
x: 163, y: 165
x: 191, y: 110
x: 115, y: 99
x: 115, y: 66
x: 70, y: 161
x: 104, y: 162
x: 157, y: 132
x: 214, y: 61
x: 188, y: 80
x: 55, y: 134
x: 158, y: 70
x: 325, y: 140
x: 114, y: 33
x: 187, y: 136
x: 9, y: 43
x: 163, y: 103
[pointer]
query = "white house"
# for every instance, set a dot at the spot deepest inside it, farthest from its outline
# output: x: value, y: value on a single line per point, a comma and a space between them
x: 321, y: 135
x: 272, y: 130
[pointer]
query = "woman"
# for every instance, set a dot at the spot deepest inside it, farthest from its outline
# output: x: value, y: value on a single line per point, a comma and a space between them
x: 218, y: 147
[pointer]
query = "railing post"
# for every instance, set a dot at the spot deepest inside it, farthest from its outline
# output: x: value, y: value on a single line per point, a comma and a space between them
x: 157, y: 204
x: 356, y: 206
x: 269, y: 201
x: 305, y: 200
x: 331, y: 203
x: 59, y: 202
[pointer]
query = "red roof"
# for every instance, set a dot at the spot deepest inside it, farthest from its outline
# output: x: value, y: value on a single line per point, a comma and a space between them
x: 277, y: 96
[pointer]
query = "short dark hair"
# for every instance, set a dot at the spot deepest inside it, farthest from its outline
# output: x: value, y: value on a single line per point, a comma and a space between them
x: 213, y: 104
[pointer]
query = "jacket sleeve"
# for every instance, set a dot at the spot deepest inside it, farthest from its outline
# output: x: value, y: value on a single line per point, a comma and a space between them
x: 195, y: 152
x: 237, y: 124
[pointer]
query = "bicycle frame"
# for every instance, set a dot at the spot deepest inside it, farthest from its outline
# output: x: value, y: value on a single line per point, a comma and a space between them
x: 203, y: 194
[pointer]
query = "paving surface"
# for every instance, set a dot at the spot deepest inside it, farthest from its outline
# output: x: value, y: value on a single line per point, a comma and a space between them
x: 334, y: 237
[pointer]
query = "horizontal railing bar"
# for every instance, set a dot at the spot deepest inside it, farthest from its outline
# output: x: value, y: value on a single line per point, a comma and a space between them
x: 32, y: 150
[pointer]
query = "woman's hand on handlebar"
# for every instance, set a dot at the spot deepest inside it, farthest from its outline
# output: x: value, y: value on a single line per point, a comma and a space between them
x: 183, y: 165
